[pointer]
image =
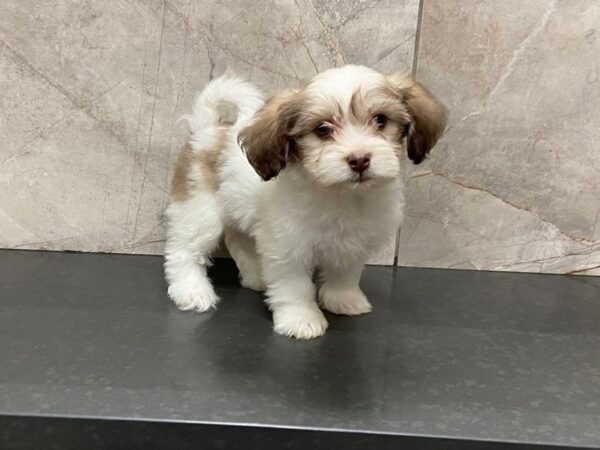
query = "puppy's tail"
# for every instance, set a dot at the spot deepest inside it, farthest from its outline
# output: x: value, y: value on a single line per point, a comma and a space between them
x: 225, y: 100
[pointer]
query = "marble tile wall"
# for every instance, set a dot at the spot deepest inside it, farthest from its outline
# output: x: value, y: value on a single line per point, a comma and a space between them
x: 90, y: 92
x: 515, y: 183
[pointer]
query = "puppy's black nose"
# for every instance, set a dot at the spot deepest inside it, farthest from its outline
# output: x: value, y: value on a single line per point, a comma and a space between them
x: 359, y: 162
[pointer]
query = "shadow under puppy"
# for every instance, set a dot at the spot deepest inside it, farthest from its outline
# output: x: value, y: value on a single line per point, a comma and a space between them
x: 312, y: 178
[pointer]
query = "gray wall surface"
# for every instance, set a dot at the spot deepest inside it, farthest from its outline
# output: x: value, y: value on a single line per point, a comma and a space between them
x: 90, y: 92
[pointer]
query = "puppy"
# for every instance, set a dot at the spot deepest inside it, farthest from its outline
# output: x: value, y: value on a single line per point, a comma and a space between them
x: 313, y: 178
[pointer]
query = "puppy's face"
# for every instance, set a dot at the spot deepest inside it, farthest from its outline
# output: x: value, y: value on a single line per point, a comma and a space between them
x: 350, y: 125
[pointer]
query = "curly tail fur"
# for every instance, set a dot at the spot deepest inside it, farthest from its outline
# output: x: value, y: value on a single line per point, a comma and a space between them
x: 211, y: 105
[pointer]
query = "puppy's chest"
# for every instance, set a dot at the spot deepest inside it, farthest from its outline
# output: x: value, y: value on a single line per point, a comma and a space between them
x: 323, y: 227
x: 350, y: 230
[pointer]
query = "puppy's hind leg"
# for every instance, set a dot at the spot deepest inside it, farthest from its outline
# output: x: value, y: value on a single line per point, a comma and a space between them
x: 340, y: 292
x: 243, y: 250
x: 194, y: 229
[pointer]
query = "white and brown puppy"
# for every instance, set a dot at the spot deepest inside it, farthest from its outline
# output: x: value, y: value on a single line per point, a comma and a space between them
x: 313, y: 178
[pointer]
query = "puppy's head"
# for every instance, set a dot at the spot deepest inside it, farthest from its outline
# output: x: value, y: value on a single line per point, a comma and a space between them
x: 349, y: 125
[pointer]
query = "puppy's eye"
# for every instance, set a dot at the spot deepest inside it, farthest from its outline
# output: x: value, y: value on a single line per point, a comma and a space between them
x: 323, y: 131
x: 379, y: 120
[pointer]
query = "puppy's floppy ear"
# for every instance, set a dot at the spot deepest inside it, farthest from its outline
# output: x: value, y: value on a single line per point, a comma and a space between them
x: 428, y: 116
x: 267, y: 140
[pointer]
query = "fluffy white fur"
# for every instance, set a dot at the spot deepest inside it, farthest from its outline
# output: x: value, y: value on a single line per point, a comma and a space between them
x: 315, y: 214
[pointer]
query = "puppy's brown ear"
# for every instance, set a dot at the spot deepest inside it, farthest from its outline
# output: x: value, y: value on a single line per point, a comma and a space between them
x: 266, y: 140
x: 428, y: 116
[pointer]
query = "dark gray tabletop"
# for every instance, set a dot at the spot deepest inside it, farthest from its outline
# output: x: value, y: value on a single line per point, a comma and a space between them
x: 473, y: 356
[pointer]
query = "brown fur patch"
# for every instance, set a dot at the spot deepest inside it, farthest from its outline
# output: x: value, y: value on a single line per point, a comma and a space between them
x: 428, y: 115
x: 180, y: 183
x: 312, y: 113
x: 266, y: 140
x: 227, y: 112
x: 355, y: 103
x: 209, y: 162
x: 364, y: 105
x: 203, y: 164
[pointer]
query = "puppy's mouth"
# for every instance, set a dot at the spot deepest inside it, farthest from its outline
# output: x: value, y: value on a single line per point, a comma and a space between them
x: 361, y: 178
x: 366, y: 180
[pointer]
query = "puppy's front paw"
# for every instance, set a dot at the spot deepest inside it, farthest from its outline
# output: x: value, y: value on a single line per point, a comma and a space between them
x: 349, y: 302
x: 299, y: 321
x: 193, y: 296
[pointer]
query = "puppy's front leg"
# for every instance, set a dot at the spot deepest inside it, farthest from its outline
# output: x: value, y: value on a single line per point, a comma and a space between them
x: 291, y: 297
x: 340, y: 293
